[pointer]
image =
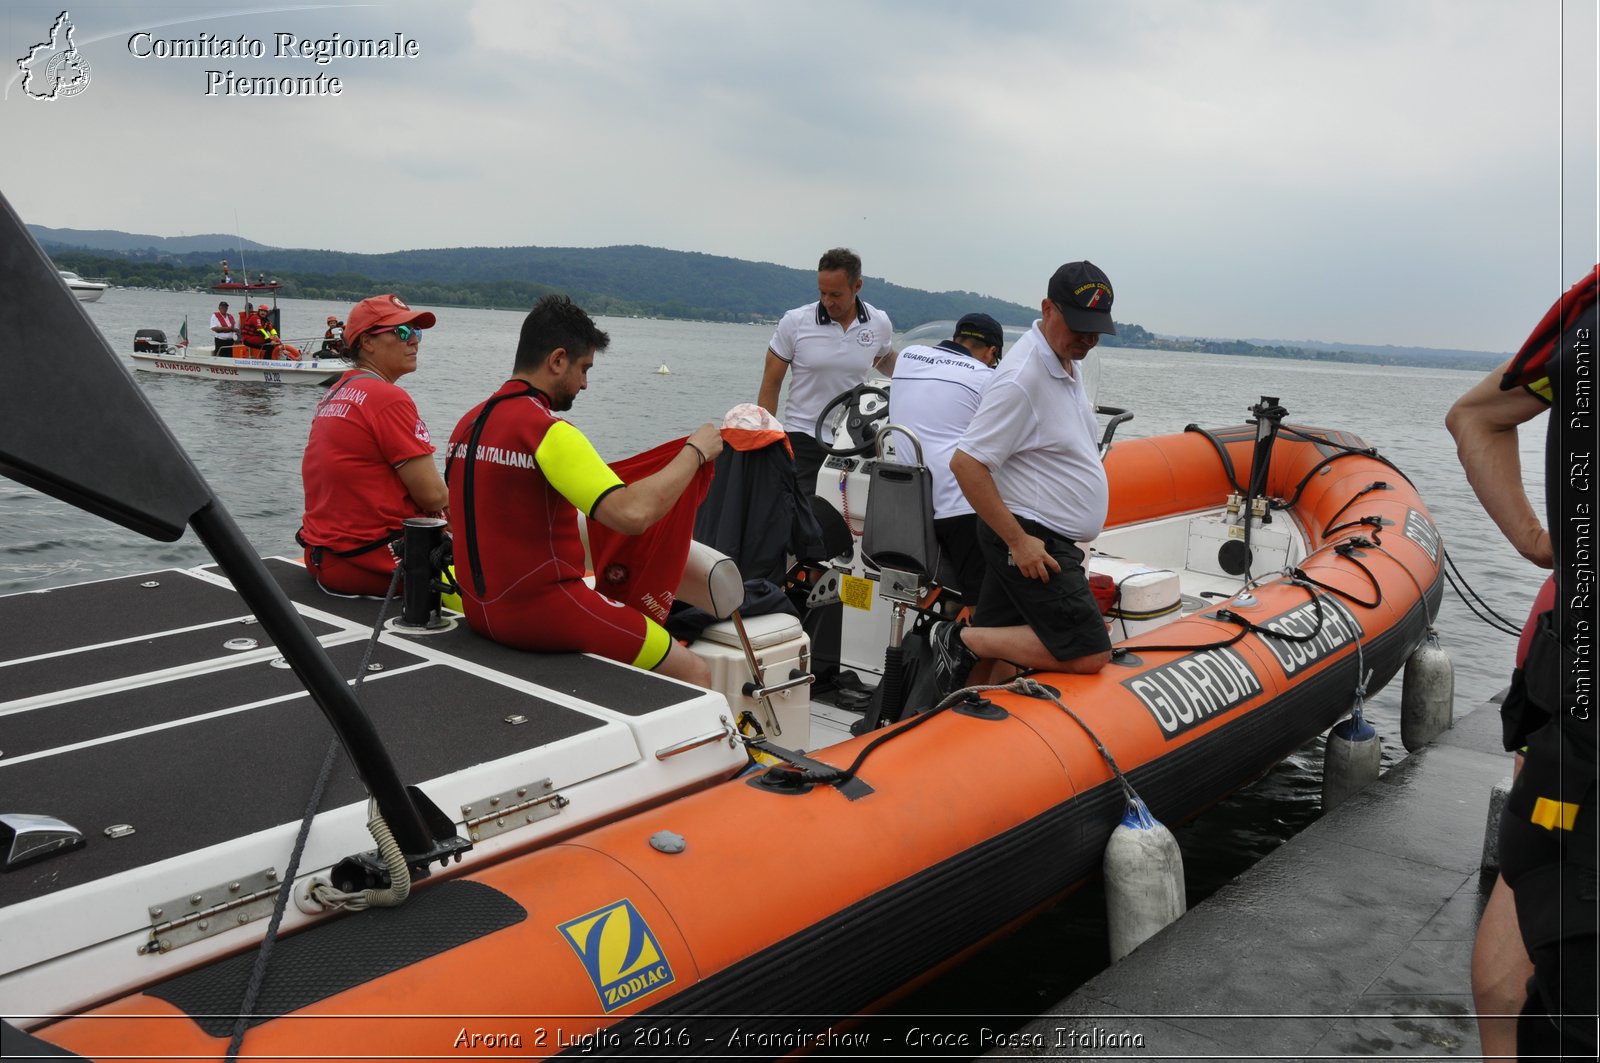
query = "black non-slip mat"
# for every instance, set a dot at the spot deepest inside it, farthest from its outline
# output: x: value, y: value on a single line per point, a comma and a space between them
x: 103, y: 664
x: 113, y: 712
x: 342, y: 954
x: 212, y: 780
x: 620, y: 688
x: 91, y: 613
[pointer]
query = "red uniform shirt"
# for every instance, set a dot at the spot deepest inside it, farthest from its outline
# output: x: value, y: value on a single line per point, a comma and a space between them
x: 361, y: 432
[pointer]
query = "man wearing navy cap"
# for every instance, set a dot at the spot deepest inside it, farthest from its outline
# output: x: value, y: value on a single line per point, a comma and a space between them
x: 935, y: 393
x: 1030, y: 466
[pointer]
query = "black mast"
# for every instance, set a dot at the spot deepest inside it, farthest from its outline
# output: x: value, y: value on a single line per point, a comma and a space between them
x: 74, y: 425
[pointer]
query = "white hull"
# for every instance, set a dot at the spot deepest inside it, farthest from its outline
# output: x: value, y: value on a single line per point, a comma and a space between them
x: 307, y: 371
x: 86, y: 291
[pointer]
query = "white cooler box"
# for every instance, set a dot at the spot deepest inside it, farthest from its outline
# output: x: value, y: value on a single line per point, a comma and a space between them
x: 781, y: 647
x: 712, y: 581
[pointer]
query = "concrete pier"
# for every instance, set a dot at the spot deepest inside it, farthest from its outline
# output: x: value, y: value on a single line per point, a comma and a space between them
x: 1351, y: 940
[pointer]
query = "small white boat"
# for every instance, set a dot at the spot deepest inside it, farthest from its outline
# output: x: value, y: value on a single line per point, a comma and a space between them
x: 199, y: 363
x: 662, y: 370
x: 86, y: 291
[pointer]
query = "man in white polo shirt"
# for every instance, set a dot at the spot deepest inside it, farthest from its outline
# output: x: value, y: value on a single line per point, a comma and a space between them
x: 1030, y: 465
x: 832, y: 344
x: 935, y: 394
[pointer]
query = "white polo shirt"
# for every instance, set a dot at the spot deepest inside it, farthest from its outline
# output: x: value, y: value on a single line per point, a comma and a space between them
x: 935, y: 393
x: 1036, y: 432
x: 825, y: 359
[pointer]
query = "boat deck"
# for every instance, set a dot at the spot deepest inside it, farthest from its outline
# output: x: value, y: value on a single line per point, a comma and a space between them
x: 143, y: 710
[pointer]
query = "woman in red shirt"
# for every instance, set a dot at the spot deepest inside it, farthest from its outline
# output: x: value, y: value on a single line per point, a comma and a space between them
x: 368, y: 463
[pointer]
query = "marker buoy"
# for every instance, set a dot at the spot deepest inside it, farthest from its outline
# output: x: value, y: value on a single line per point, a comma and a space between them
x: 1427, y: 695
x: 1351, y: 760
x: 1144, y: 879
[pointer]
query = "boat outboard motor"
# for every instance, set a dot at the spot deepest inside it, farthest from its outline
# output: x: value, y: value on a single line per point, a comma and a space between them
x: 1235, y: 556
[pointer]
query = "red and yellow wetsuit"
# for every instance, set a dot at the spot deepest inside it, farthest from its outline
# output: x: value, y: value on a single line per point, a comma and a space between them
x: 518, y: 474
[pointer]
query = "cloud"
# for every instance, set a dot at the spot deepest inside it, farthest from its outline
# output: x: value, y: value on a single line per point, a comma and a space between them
x: 1240, y: 166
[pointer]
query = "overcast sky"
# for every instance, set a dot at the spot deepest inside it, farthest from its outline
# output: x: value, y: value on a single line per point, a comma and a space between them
x: 1395, y: 171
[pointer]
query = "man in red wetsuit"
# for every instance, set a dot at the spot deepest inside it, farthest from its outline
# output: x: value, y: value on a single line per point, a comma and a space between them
x: 518, y: 474
x: 368, y: 464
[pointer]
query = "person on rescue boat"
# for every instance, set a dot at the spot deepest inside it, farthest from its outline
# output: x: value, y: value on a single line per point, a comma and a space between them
x: 518, y: 476
x: 224, y: 331
x: 832, y: 345
x: 1030, y: 466
x: 368, y: 462
x: 936, y: 392
x: 333, y: 335
x: 258, y: 332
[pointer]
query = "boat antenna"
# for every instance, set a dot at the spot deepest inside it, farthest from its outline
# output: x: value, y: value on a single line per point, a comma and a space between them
x: 124, y: 465
x: 1267, y: 416
x: 244, y: 271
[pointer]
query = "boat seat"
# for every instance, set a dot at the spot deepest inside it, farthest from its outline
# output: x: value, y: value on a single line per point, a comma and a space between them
x: 897, y: 532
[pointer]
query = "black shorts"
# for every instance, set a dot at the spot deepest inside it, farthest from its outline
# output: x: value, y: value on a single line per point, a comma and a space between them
x: 961, y: 559
x: 1062, y: 612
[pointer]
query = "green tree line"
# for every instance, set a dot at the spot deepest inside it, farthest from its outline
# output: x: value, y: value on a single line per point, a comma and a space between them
x: 626, y: 281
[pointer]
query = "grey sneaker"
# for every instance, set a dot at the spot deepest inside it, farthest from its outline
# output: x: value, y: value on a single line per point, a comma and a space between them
x: 952, y: 660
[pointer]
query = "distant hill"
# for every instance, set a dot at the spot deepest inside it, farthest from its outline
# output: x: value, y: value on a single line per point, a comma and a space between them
x: 1443, y: 357
x: 627, y: 280
x: 217, y: 244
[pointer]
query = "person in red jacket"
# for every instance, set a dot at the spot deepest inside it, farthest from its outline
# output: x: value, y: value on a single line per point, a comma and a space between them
x: 257, y: 331
x: 518, y: 475
x: 368, y: 462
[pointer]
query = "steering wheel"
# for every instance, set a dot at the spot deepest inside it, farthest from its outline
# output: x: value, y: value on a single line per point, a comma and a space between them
x: 858, y: 429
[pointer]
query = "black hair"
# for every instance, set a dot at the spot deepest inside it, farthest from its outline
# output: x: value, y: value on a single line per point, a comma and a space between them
x: 841, y: 258
x: 556, y: 321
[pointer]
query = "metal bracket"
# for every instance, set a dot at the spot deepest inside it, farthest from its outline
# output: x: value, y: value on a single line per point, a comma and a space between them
x: 208, y: 912
x: 826, y: 590
x: 499, y: 813
x: 899, y: 586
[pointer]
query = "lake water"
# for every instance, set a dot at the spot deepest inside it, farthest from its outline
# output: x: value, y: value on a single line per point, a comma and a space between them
x: 247, y: 440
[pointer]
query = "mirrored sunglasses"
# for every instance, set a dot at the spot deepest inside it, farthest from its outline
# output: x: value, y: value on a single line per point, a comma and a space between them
x: 403, y: 333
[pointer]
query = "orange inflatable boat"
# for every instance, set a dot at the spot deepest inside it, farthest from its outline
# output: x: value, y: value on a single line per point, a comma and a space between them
x: 774, y: 904
x: 240, y: 814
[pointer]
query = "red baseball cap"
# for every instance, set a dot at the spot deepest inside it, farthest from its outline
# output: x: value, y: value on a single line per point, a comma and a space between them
x: 382, y: 311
